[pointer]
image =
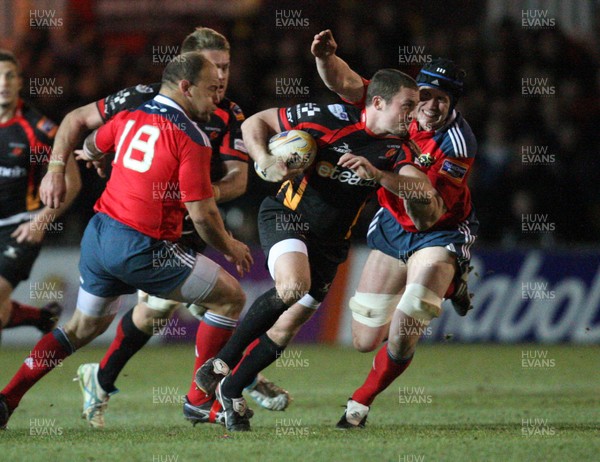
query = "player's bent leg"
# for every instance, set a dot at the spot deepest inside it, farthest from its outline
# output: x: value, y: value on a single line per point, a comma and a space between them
x: 92, y: 317
x: 224, y: 300
x: 429, y: 273
x: 215, y: 329
x: 265, y: 393
x: 381, y: 283
x: 288, y: 265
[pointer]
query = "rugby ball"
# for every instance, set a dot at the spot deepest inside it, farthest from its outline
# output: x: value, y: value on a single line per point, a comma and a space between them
x: 296, y: 148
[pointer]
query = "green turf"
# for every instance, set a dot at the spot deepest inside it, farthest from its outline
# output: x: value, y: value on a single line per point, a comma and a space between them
x: 459, y: 403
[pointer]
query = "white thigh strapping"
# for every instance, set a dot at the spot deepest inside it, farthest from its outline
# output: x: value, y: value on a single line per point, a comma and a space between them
x: 97, y: 307
x: 282, y: 247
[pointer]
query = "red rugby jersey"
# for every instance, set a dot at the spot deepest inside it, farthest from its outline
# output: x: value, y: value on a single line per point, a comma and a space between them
x: 162, y: 159
x: 447, y: 155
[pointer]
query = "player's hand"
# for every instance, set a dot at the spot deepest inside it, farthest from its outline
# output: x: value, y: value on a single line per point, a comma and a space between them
x: 99, y: 165
x: 361, y: 166
x: 275, y: 169
x: 53, y: 189
x: 323, y: 45
x: 239, y: 254
x: 29, y: 232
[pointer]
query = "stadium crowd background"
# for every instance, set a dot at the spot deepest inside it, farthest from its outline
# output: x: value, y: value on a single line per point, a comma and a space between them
x: 88, y: 60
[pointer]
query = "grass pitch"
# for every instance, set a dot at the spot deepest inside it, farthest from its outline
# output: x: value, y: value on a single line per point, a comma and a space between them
x: 455, y: 403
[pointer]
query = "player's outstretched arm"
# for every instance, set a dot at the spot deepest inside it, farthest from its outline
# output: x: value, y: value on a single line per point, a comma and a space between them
x: 33, y: 231
x: 53, y: 187
x: 209, y: 225
x: 423, y: 203
x: 333, y: 70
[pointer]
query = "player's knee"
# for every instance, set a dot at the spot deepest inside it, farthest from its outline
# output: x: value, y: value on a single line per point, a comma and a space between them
x: 364, y: 344
x: 146, y: 315
x: 83, y: 329
x: 292, y: 289
x: 420, y: 303
x: 233, y: 304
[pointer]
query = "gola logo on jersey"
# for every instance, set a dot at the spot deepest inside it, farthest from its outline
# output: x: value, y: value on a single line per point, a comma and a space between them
x: 454, y: 170
x: 47, y: 126
x: 390, y: 153
x: 239, y: 145
x: 239, y: 115
x: 425, y: 160
x: 338, y: 111
x: 12, y: 172
x: 16, y: 149
x: 343, y: 149
x: 335, y: 172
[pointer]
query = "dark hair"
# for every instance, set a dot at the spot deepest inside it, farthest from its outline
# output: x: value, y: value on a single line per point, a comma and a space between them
x: 204, y: 38
x: 387, y: 82
x: 6, y: 55
x: 186, y: 66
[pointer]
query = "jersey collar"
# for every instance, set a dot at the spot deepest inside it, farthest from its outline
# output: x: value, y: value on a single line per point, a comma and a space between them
x: 162, y: 99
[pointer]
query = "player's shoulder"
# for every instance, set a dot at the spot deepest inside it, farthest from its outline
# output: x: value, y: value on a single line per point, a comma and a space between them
x: 41, y: 124
x: 173, y: 115
x: 458, y: 139
x: 128, y: 98
x: 327, y: 114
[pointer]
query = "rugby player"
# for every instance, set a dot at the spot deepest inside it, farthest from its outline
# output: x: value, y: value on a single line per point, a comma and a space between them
x: 323, y: 204
x: 418, y: 257
x: 153, y: 144
x: 26, y: 138
x: 229, y: 171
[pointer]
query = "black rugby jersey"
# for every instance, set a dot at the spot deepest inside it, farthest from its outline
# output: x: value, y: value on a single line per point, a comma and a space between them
x: 25, y: 147
x: 328, y: 197
x: 223, y: 128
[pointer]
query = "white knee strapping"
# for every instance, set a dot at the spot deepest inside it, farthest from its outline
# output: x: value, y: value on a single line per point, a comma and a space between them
x: 420, y: 303
x: 373, y: 310
x: 285, y: 246
x: 160, y: 304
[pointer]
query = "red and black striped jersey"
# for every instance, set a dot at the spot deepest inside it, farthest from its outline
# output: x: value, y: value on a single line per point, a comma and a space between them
x: 25, y: 146
x: 330, y: 197
x: 223, y: 128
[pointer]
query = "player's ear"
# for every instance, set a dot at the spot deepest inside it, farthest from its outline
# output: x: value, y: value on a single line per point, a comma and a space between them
x: 184, y: 86
x: 378, y: 102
